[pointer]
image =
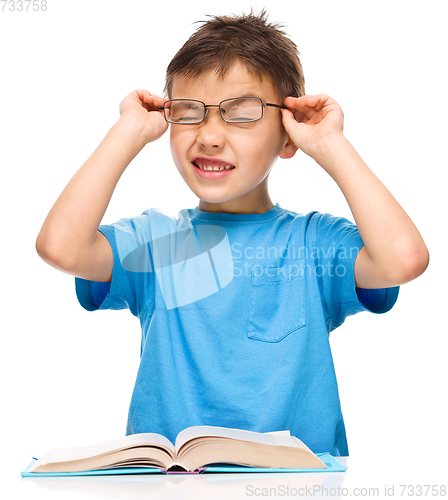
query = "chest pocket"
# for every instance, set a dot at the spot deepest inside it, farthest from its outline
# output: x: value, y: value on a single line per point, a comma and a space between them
x: 277, y: 302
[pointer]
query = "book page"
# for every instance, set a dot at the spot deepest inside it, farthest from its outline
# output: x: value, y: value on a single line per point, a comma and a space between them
x: 82, y: 452
x: 275, y: 438
x: 280, y: 433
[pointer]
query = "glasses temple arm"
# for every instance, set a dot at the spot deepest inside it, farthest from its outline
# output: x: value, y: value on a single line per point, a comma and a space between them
x: 274, y: 105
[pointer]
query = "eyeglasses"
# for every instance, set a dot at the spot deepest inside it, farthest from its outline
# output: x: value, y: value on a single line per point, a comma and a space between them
x: 235, y: 110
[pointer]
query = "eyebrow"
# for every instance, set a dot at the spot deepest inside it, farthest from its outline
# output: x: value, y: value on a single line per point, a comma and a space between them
x: 251, y: 94
x: 243, y: 94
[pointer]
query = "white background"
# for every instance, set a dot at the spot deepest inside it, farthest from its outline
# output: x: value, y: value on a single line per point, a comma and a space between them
x: 67, y: 374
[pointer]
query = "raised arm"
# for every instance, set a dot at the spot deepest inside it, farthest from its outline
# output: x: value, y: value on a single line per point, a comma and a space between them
x: 69, y: 239
x: 394, y: 251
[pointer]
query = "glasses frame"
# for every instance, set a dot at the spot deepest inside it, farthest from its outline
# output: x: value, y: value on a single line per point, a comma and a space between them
x: 263, y: 105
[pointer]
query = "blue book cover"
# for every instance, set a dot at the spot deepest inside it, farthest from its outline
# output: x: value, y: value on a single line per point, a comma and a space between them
x: 333, y: 465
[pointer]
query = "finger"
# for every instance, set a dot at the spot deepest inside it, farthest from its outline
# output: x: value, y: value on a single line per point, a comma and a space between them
x: 298, y: 116
x: 289, y: 122
x: 318, y: 102
x: 300, y: 107
x: 151, y: 102
x: 288, y: 116
x: 307, y: 104
x: 306, y: 100
x: 158, y: 101
x: 144, y: 95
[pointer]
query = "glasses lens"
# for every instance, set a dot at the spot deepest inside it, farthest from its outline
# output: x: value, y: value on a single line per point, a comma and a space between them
x: 243, y: 109
x: 183, y: 111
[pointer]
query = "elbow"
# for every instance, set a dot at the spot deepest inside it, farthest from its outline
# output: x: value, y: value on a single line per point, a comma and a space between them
x: 46, y: 250
x: 41, y: 247
x: 63, y: 255
x: 50, y: 251
x: 413, y: 264
x: 420, y: 263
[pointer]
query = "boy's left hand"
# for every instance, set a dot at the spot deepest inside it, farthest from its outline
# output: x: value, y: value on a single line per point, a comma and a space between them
x: 313, y: 122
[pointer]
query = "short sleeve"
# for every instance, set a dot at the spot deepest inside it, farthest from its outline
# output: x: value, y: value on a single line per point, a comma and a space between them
x: 337, y: 244
x: 132, y: 284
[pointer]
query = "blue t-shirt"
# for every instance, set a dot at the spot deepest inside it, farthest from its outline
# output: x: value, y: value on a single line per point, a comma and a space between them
x: 236, y: 311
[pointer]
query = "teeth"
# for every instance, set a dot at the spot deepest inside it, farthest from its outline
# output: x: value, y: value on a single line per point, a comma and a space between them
x: 216, y: 168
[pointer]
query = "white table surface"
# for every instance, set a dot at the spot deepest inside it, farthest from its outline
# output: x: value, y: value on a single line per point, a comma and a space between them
x: 179, y: 486
x: 366, y: 477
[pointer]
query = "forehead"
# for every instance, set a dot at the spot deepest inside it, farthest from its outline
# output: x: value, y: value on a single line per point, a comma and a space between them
x: 212, y: 88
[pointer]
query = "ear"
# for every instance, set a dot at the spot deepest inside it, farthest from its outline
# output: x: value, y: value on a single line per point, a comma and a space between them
x: 289, y: 150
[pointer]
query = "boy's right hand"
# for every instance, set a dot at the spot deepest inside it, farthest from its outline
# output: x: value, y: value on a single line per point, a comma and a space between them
x: 141, y: 108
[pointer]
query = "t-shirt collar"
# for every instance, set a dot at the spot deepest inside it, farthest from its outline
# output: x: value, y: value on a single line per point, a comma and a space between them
x: 270, y: 214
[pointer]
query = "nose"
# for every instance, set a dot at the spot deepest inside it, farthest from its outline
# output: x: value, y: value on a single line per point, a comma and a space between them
x: 211, y: 130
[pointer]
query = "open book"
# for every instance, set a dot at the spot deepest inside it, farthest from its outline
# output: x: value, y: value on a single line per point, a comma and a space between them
x: 195, y: 447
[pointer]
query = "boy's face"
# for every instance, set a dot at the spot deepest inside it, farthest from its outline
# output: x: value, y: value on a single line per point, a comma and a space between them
x: 252, y: 148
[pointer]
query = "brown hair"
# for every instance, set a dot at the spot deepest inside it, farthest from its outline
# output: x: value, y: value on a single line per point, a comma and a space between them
x: 262, y: 47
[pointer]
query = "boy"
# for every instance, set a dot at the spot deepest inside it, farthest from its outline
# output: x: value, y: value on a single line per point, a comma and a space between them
x: 236, y: 297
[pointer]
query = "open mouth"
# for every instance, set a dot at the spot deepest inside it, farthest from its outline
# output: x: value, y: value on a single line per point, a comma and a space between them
x: 207, y: 165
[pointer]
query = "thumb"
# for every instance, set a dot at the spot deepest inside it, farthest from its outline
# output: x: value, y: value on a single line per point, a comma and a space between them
x: 292, y: 126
